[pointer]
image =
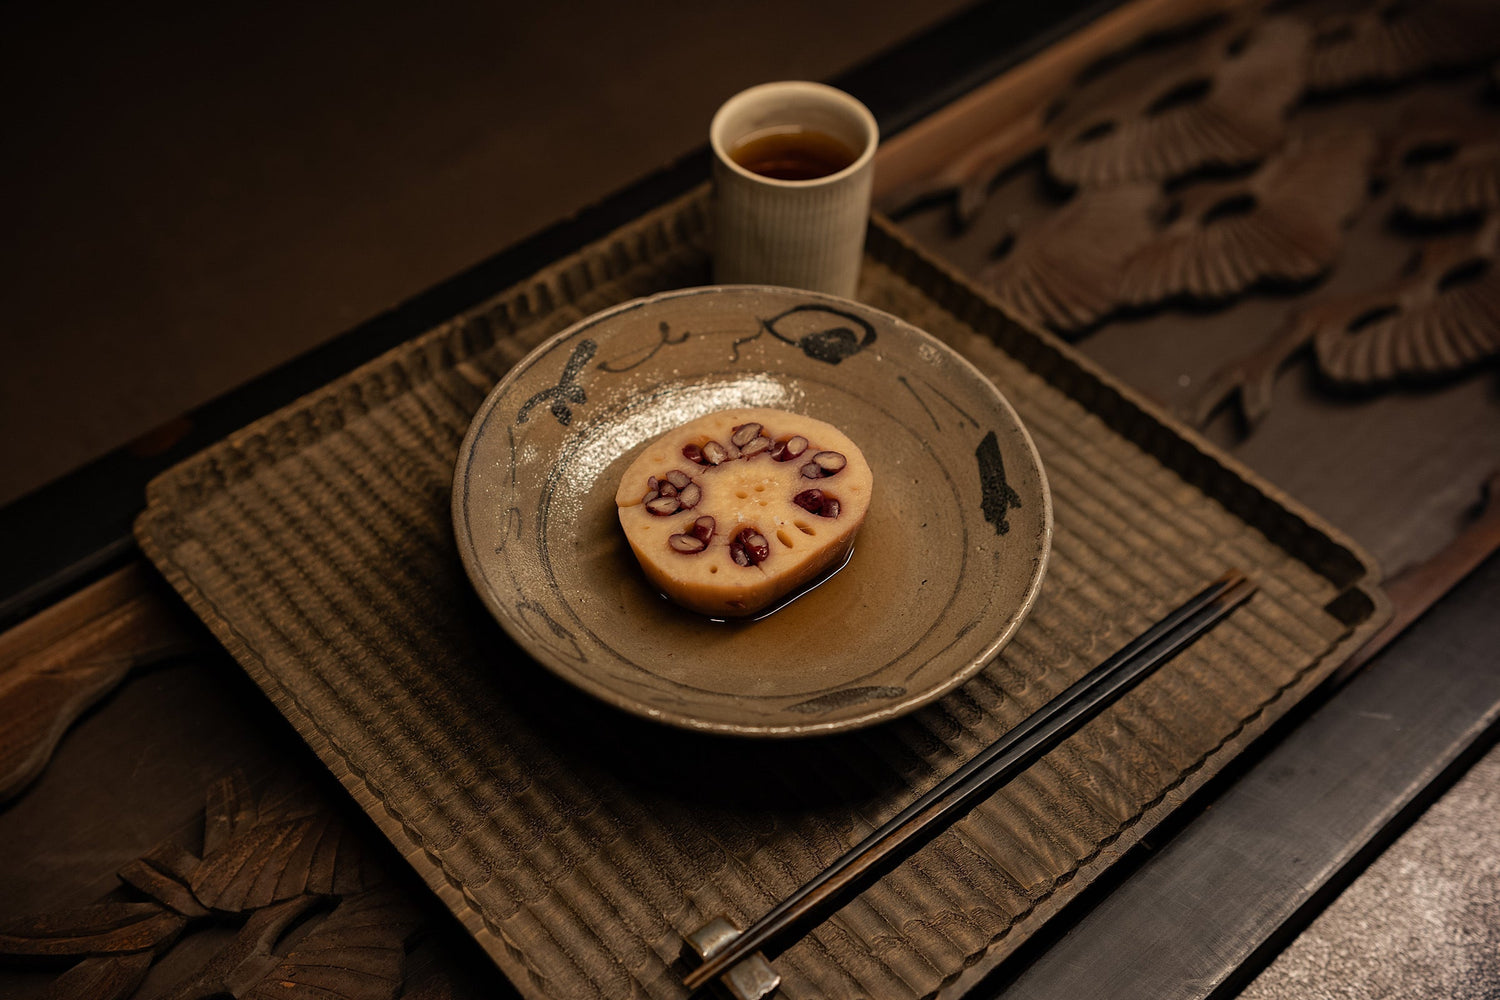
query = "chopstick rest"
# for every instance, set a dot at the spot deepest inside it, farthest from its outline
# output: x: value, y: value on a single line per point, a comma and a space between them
x: 735, y: 959
x: 751, y: 978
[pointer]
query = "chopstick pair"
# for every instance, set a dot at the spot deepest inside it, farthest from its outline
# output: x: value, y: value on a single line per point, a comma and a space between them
x: 1017, y: 750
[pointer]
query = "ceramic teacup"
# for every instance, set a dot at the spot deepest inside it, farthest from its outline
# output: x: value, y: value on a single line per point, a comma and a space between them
x: 793, y: 163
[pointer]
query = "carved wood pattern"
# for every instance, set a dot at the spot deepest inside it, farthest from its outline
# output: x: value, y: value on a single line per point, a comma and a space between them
x: 315, y: 918
x: 1104, y: 249
x: 356, y: 952
x: 1283, y: 224
x: 1065, y: 273
x: 112, y: 978
x: 1447, y: 162
x: 1389, y: 41
x: 1277, y: 226
x: 1223, y: 105
x: 109, y: 928
x: 1439, y: 317
x: 58, y: 663
x: 1439, y: 320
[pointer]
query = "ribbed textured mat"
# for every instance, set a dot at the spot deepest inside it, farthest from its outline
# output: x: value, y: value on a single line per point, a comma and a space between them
x: 577, y: 843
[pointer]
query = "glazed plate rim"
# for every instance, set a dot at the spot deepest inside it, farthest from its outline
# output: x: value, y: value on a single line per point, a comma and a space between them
x: 526, y: 634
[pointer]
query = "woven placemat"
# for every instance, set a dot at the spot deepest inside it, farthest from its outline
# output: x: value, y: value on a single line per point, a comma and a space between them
x: 578, y: 844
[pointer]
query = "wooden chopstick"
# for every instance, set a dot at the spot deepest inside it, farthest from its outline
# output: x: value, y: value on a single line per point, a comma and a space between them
x: 1018, y: 749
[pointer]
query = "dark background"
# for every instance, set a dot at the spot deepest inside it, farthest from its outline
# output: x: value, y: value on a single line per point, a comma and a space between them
x: 196, y: 193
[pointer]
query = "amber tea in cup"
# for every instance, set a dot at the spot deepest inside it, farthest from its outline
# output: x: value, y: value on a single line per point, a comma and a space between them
x: 793, y: 162
x: 792, y: 153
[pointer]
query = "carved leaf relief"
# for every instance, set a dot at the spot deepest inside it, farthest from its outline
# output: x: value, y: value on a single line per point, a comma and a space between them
x: 284, y: 845
x: 1393, y: 40
x: 1440, y: 319
x: 1064, y: 273
x: 1447, y: 164
x: 276, y: 861
x: 356, y: 953
x: 1225, y: 106
x: 311, y: 916
x: 110, y: 928
x: 1284, y: 223
x: 113, y: 978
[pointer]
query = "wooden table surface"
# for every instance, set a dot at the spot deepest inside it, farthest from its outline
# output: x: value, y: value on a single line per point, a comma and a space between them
x: 162, y: 714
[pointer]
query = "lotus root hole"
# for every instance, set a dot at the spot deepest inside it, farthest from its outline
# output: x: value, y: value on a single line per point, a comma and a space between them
x: 784, y: 538
x: 805, y: 528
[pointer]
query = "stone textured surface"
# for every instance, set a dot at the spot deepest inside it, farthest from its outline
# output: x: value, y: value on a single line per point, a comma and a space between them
x: 1422, y: 921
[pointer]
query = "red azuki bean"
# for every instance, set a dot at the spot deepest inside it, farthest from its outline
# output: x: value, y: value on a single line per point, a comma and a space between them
x: 809, y: 500
x: 830, y: 461
x: 686, y: 544
x: 755, y: 446
x: 715, y: 453
x: 756, y: 546
x: 785, y: 451
x: 663, y: 506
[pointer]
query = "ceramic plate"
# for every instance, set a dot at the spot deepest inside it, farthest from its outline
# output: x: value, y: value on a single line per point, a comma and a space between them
x: 944, y: 569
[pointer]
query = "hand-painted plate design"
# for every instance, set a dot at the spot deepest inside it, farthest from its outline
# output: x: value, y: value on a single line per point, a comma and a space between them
x: 948, y: 563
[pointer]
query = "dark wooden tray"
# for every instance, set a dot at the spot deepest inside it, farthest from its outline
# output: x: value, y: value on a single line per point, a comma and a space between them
x: 578, y: 844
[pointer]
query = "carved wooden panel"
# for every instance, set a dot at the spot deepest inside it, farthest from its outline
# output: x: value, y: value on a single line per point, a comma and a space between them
x: 1355, y: 249
x: 286, y: 886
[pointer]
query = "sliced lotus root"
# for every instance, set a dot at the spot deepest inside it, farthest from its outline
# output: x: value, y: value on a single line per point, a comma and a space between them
x: 1282, y: 224
x: 734, y: 511
x: 1223, y: 105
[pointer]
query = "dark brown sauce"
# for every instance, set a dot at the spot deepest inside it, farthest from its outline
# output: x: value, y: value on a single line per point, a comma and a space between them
x: 787, y: 599
x: 792, y: 153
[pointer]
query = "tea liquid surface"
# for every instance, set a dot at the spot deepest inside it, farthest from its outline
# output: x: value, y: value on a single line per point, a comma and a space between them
x: 792, y: 153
